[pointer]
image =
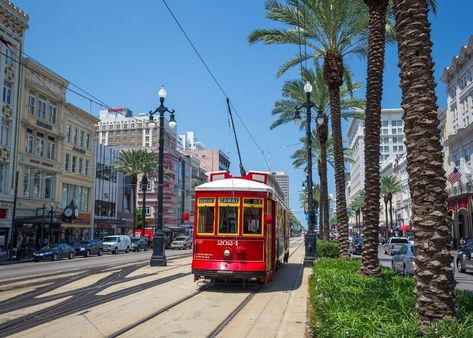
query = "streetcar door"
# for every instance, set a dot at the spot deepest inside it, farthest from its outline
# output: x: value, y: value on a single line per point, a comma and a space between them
x: 269, y: 235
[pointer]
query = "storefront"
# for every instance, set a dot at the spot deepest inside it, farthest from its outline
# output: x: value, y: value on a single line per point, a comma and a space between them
x: 460, y: 210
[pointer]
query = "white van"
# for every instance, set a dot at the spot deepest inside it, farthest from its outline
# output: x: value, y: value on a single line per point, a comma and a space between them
x: 117, y: 243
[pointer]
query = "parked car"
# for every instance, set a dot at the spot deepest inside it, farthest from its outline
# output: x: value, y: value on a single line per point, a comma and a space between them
x: 54, y: 252
x: 403, y: 260
x: 464, y: 257
x: 411, y: 240
x: 356, y: 246
x: 394, y: 244
x: 139, y: 243
x: 90, y: 247
x: 182, y: 242
x: 117, y: 243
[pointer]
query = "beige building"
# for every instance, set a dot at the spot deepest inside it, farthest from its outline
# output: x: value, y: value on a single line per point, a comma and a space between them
x: 55, y: 162
x: 13, y: 24
x: 77, y: 183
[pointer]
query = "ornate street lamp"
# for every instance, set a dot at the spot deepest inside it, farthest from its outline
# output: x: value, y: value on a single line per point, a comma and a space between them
x: 311, y: 238
x: 159, y: 256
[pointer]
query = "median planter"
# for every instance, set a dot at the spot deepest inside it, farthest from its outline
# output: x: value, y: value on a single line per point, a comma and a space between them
x: 346, y: 304
x: 327, y: 249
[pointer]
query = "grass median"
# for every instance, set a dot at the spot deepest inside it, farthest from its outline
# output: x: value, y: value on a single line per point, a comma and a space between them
x: 346, y: 304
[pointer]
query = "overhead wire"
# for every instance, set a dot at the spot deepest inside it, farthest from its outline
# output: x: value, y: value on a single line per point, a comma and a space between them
x: 215, y: 80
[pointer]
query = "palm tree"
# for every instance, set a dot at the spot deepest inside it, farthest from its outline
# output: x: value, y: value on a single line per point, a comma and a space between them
x: 331, y: 30
x: 434, y: 275
x: 322, y: 152
x: 292, y: 92
x: 315, y: 195
x: 133, y: 163
x: 357, y: 205
x: 374, y: 89
x: 389, y: 185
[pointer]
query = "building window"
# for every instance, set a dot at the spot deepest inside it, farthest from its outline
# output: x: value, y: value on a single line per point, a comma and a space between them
x: 26, y: 183
x: 29, y: 141
x: 86, y: 169
x: 9, y: 56
x: 49, y: 187
x: 42, y: 107
x: 37, y: 184
x: 31, y: 102
x: 80, y: 166
x: 7, y: 92
x: 68, y: 134
x: 81, y: 139
x: 3, y: 174
x: 87, y: 141
x: 74, y: 161
x: 39, y: 145
x: 80, y: 196
x: 51, y: 148
x: 385, y: 123
x: 66, y: 162
x: 52, y: 113
x: 75, y: 136
x: 5, y: 133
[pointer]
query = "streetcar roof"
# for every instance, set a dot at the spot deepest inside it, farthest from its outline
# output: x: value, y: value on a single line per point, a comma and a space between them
x: 235, y: 184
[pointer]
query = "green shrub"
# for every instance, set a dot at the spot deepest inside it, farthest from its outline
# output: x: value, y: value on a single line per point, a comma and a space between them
x: 346, y: 304
x: 328, y: 249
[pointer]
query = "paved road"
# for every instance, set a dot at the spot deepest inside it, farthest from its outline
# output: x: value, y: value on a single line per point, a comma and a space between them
x: 36, y: 268
x: 464, y: 280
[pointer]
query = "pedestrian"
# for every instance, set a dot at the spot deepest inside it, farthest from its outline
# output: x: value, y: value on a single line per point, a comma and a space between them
x: 462, y: 242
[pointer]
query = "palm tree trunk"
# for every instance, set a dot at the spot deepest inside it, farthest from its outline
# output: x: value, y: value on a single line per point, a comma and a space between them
x: 434, y: 275
x: 391, y: 213
x: 322, y: 132
x: 386, y: 215
x: 134, y: 180
x: 374, y: 91
x: 333, y: 77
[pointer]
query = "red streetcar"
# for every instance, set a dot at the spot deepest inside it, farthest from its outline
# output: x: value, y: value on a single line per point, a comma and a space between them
x: 241, y: 228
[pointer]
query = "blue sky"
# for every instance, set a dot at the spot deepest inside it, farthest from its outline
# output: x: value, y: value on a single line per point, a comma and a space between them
x: 122, y: 51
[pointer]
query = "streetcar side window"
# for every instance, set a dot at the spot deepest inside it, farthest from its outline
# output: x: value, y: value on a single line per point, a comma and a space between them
x: 252, y: 216
x: 205, y: 215
x: 228, y: 216
x: 205, y: 220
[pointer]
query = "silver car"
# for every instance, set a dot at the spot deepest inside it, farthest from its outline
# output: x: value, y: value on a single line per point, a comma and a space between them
x: 182, y: 242
x: 403, y: 260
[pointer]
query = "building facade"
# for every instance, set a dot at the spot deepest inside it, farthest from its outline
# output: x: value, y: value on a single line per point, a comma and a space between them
x: 118, y: 128
x: 391, y: 148
x: 211, y: 159
x: 40, y: 149
x: 13, y: 24
x: 77, y: 182
x: 283, y: 180
x: 112, y: 195
x: 458, y: 145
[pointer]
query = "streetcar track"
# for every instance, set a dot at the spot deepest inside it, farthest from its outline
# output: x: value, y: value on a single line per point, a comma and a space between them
x: 77, y: 304
x: 219, y: 328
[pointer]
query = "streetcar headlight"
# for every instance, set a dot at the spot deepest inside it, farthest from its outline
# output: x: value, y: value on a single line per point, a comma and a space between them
x: 226, y: 253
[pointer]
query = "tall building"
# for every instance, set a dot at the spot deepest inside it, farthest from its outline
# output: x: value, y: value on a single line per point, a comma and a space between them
x: 283, y: 180
x: 118, y: 128
x: 458, y: 144
x: 188, y: 141
x: 112, y: 195
x: 391, y: 147
x: 13, y: 24
x: 211, y: 159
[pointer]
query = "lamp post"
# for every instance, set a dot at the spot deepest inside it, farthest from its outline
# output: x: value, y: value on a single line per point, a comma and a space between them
x: 159, y: 256
x: 311, y: 239
x: 144, y: 188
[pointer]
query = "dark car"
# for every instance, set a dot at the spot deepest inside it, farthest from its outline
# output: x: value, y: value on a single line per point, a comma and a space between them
x: 90, y: 247
x: 139, y: 243
x: 54, y: 252
x: 356, y: 247
x: 464, y: 258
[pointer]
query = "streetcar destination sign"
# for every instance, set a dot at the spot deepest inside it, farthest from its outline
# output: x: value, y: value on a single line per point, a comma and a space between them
x: 229, y: 200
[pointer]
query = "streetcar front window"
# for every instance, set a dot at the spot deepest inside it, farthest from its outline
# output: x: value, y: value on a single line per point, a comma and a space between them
x: 205, y: 220
x: 228, y: 220
x: 252, y: 218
